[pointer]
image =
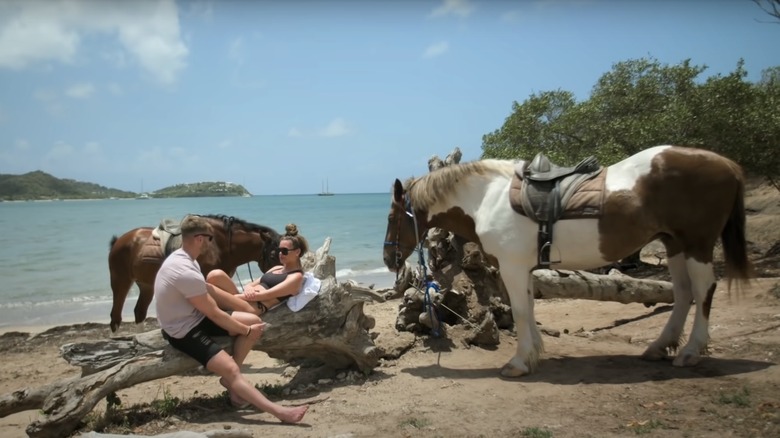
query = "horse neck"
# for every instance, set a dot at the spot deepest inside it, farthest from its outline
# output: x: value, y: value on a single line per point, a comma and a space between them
x: 459, y: 210
x: 243, y: 248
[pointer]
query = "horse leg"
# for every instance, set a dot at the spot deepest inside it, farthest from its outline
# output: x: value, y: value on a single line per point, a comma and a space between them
x: 669, y: 340
x: 120, y: 286
x: 703, y: 286
x: 529, y: 340
x: 144, y: 299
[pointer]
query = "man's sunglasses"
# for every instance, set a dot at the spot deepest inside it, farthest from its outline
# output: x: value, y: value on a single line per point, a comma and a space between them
x: 285, y: 251
x: 211, y: 237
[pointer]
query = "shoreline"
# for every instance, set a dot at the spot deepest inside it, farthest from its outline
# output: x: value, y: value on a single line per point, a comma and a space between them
x: 98, y: 312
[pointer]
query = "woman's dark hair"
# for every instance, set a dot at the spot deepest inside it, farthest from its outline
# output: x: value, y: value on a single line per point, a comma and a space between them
x: 298, y: 241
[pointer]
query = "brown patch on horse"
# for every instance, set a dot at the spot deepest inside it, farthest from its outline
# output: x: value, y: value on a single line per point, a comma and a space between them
x: 685, y: 199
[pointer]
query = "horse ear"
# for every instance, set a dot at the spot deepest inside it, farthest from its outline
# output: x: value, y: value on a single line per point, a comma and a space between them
x: 398, y: 191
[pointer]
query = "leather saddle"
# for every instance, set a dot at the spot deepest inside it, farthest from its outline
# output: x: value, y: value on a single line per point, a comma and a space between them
x: 169, y: 235
x: 544, y: 192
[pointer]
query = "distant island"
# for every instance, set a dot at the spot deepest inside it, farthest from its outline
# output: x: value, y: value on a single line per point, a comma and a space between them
x: 39, y: 186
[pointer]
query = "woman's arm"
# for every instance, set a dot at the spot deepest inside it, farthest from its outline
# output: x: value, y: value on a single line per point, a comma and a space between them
x: 290, y: 286
x: 206, y: 304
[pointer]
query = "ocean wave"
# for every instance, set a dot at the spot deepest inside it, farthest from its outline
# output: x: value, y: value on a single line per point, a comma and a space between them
x: 347, y: 272
x: 88, y: 300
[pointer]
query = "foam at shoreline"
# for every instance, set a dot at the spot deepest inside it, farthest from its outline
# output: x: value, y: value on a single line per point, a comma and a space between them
x: 41, y: 318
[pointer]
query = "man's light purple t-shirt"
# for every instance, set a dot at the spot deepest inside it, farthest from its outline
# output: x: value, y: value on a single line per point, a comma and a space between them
x: 179, y: 278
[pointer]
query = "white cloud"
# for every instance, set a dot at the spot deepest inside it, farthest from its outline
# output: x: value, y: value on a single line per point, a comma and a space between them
x: 93, y: 148
x: 224, y: 144
x: 511, y: 16
x: 236, y: 51
x: 336, y: 128
x: 80, y: 91
x: 461, y: 8
x: 115, y: 89
x: 50, y: 101
x: 59, y: 151
x: 40, y: 31
x: 436, y: 49
x: 22, y: 144
x: 294, y: 132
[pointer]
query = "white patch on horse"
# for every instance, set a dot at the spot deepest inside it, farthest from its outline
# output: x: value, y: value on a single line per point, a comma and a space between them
x: 624, y: 175
x: 576, y: 244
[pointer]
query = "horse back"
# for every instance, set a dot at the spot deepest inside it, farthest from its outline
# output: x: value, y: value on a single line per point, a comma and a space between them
x: 126, y: 248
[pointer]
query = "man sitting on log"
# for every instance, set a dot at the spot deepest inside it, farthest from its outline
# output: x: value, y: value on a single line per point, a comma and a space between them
x: 189, y: 318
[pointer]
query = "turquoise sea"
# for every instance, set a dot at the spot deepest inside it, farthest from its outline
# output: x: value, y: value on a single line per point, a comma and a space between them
x: 54, y: 255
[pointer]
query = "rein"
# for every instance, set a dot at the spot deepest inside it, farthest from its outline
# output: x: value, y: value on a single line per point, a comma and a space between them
x: 426, y: 284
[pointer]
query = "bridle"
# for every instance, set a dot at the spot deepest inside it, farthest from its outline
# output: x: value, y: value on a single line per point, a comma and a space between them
x: 409, y: 212
x: 426, y: 283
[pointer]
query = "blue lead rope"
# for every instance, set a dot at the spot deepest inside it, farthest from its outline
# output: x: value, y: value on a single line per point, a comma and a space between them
x: 428, y: 285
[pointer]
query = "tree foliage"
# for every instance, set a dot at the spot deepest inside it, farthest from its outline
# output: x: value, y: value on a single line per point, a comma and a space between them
x: 771, y: 7
x: 642, y: 103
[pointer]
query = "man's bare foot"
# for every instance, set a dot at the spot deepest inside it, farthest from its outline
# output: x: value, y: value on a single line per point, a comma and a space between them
x: 293, y: 414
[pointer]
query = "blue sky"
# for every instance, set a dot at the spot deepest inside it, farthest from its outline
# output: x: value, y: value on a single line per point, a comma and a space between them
x: 282, y: 95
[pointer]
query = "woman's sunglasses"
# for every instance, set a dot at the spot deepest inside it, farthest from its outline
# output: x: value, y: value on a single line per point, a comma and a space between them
x: 285, y: 251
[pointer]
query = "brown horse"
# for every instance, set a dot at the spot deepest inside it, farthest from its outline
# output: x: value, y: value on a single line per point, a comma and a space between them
x: 137, y: 256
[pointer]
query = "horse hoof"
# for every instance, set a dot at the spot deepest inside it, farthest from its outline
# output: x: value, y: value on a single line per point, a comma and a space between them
x: 686, y: 360
x: 654, y: 354
x: 114, y: 326
x: 510, y: 370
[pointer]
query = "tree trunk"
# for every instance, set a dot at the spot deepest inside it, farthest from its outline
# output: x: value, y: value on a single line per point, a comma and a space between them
x: 613, y: 287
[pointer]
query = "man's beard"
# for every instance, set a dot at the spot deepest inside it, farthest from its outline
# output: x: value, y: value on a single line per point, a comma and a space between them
x: 209, y: 254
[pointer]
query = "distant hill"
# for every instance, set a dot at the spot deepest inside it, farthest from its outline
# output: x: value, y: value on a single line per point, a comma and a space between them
x: 40, y: 185
x: 201, y: 189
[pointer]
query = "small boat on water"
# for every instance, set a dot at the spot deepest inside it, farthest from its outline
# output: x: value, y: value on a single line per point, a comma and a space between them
x: 325, y: 191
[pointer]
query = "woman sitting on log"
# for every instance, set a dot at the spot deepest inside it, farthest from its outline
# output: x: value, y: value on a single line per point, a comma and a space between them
x: 275, y: 286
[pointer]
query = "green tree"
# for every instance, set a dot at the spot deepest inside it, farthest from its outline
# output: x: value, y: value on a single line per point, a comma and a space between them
x: 642, y: 103
x: 771, y: 7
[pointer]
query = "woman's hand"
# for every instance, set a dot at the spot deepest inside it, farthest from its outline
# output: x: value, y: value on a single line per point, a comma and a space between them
x: 250, y: 294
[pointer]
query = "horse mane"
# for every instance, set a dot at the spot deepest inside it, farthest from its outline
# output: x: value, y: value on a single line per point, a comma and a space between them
x: 428, y: 189
x: 228, y: 222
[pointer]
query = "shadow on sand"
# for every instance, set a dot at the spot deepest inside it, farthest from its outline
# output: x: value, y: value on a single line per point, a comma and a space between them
x: 613, y: 369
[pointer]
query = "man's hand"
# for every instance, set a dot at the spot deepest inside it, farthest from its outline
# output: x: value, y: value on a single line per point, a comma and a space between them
x: 256, y: 331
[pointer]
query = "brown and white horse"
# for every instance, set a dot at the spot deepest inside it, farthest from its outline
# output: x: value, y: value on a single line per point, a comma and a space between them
x: 136, y: 256
x: 688, y: 198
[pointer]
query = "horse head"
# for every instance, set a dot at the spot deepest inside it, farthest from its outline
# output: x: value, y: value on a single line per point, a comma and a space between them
x: 242, y: 242
x: 270, y: 253
x: 405, y: 228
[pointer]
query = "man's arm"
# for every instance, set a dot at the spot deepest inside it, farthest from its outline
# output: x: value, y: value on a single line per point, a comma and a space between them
x: 206, y: 304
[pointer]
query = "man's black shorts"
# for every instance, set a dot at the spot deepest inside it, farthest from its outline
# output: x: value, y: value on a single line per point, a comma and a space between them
x: 197, y: 343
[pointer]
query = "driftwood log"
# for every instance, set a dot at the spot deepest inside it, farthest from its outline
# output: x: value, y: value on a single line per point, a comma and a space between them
x: 332, y: 328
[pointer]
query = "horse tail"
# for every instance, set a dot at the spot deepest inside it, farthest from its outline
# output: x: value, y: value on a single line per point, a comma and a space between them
x: 738, y: 266
x: 113, y: 241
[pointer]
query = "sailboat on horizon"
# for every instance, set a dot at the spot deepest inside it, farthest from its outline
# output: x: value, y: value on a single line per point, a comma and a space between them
x: 143, y: 195
x: 325, y: 191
